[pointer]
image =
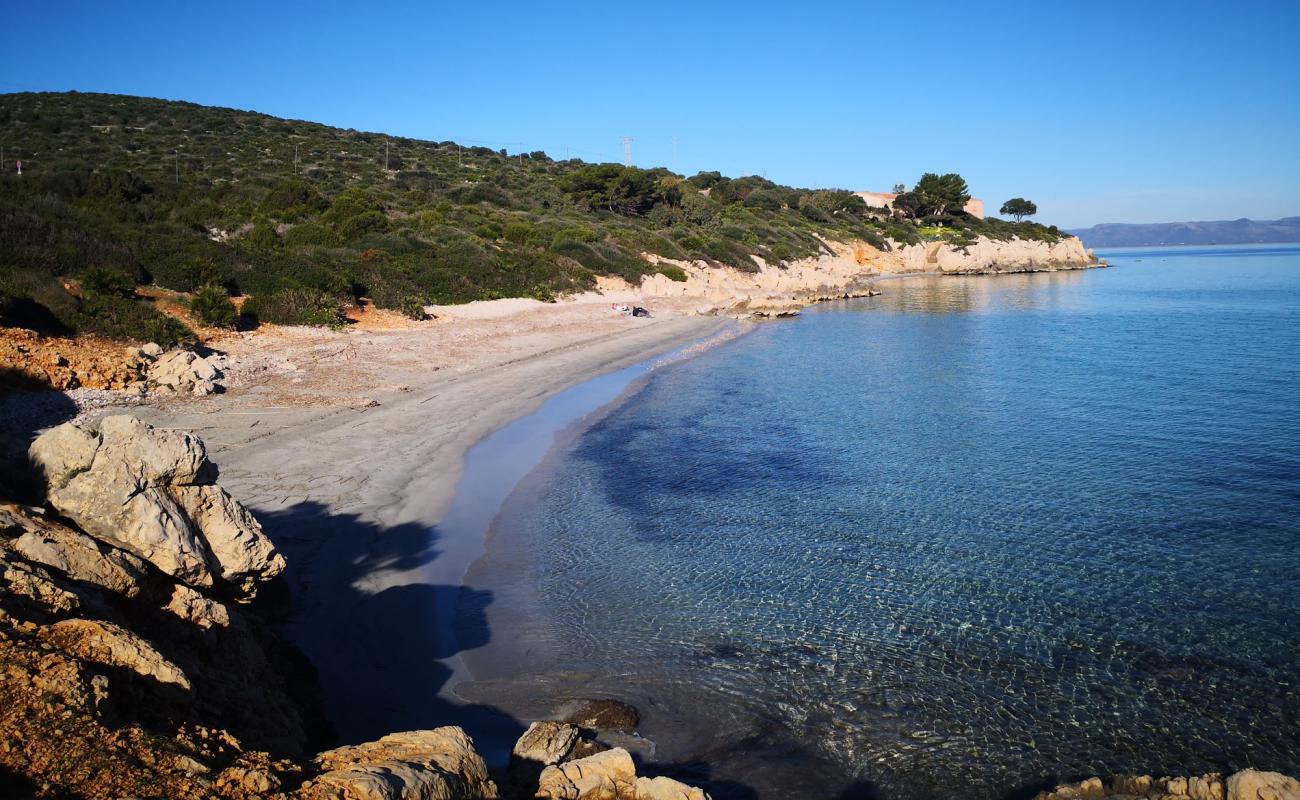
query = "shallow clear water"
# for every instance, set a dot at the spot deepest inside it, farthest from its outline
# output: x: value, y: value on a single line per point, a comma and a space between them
x: 977, y: 532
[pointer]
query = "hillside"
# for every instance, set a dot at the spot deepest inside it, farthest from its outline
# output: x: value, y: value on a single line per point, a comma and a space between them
x: 119, y: 192
x: 1237, y: 231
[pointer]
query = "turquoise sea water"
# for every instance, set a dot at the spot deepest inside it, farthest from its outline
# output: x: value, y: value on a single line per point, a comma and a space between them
x: 982, y: 532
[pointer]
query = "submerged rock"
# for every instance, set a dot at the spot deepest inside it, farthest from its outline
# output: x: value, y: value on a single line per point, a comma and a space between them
x: 601, y: 714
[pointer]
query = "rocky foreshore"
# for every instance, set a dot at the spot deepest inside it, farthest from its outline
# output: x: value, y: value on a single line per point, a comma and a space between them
x: 136, y: 661
x: 847, y: 269
x: 1248, y: 784
x: 135, y: 658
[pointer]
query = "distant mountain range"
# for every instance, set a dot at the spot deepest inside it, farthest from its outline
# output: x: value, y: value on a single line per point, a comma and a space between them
x: 1236, y: 231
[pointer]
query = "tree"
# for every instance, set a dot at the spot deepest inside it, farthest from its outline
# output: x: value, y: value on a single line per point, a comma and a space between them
x: 623, y: 190
x: 899, y: 188
x: 907, y: 204
x: 940, y: 194
x: 1019, y: 208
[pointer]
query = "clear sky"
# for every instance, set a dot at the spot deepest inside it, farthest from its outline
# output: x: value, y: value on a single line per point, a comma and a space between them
x: 1099, y: 111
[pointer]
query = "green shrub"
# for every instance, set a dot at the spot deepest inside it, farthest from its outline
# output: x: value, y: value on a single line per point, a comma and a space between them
x: 297, y: 306
x: 211, y: 303
x: 261, y: 238
x: 366, y: 222
x: 672, y: 272
x: 167, y: 331
x: 108, y: 282
x: 311, y: 234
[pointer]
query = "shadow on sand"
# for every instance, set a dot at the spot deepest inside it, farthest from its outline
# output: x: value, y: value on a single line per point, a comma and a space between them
x: 378, y: 635
x: 376, y: 632
x: 25, y: 410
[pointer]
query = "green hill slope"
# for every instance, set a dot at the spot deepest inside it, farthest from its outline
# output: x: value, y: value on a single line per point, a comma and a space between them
x: 118, y: 191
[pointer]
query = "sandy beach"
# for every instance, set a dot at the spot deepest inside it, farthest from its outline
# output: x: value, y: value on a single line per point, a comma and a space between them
x: 349, y: 447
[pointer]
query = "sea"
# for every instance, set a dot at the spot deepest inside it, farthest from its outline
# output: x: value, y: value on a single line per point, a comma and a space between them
x: 969, y: 538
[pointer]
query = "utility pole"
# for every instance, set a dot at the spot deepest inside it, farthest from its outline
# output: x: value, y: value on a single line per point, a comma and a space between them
x: 627, y: 151
x: 385, y: 154
x: 295, y: 158
x: 178, y: 165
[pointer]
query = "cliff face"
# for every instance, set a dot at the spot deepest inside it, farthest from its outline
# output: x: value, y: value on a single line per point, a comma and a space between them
x: 992, y: 256
x: 847, y: 271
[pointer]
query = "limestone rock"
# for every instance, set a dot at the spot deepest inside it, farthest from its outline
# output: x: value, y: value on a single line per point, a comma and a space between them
x: 1250, y: 784
x: 36, y: 585
x: 667, y: 789
x: 152, y: 493
x: 438, y: 764
x: 605, y: 776
x: 546, y: 742
x: 81, y: 558
x: 1206, y: 787
x: 184, y: 372
x: 197, y: 608
x: 113, y: 645
x: 244, y: 555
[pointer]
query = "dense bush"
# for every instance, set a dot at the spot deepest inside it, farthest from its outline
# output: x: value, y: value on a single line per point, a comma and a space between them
x: 212, y: 305
x: 296, y: 307
x: 100, y: 205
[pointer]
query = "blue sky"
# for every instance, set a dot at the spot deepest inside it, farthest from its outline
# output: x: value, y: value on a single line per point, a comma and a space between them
x: 1100, y: 111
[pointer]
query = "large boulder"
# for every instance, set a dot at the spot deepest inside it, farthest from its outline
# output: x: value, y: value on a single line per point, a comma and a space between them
x: 153, y: 493
x: 438, y: 764
x: 546, y: 742
x: 610, y: 775
x: 1251, y: 784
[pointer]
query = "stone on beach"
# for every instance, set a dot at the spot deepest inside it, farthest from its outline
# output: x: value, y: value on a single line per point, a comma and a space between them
x: 183, y: 372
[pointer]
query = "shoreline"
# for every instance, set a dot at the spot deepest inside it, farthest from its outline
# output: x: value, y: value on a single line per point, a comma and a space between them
x: 355, y: 498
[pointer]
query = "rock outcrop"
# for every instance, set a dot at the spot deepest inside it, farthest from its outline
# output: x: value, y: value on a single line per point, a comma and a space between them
x: 438, y: 764
x: 843, y: 270
x: 153, y: 494
x: 108, y: 640
x: 610, y: 775
x: 1248, y: 784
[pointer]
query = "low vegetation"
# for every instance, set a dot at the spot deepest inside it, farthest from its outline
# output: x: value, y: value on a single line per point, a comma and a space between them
x: 122, y: 192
